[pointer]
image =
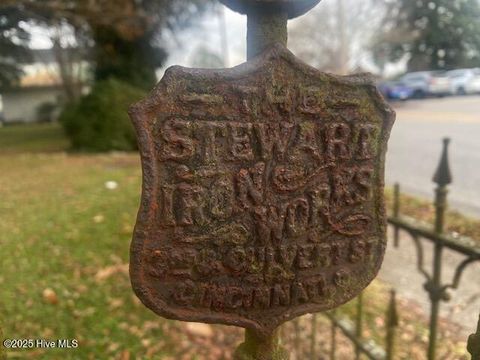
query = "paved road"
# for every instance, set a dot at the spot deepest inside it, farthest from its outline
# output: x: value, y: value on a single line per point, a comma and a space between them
x: 415, y: 145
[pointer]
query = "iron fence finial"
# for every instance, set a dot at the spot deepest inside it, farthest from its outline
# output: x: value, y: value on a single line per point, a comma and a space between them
x: 443, y: 175
x: 442, y: 178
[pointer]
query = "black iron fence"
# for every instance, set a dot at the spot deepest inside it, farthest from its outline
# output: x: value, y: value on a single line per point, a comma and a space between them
x: 437, y: 288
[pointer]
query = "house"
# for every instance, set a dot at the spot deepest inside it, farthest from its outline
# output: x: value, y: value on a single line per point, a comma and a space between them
x: 39, y: 94
x: 23, y: 104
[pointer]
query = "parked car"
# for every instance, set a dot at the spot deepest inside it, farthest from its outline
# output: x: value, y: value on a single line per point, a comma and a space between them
x: 395, y: 90
x: 427, y: 83
x: 461, y: 79
x: 473, y: 86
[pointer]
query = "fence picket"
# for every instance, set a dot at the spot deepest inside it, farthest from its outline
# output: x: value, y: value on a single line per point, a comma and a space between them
x: 396, y: 212
x: 359, y: 324
x: 313, y: 336
x: 333, y: 342
x: 392, y: 323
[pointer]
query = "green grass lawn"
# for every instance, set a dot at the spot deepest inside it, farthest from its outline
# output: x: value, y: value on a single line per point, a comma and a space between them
x: 65, y: 240
x: 31, y: 138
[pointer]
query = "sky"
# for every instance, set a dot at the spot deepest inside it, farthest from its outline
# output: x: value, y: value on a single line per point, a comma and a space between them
x: 181, y: 45
x: 206, y: 33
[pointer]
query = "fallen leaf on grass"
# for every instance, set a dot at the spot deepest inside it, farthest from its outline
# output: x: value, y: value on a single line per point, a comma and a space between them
x: 99, y: 218
x: 109, y: 271
x: 84, y: 312
x: 111, y: 185
x: 115, y: 303
x: 136, y: 301
x: 135, y: 330
x: 199, y: 329
x: 125, y: 355
x: 113, y: 347
x: 152, y: 350
x: 50, y: 296
x: 127, y: 229
x: 150, y: 325
x: 47, y: 333
x: 146, y: 342
x: 81, y: 288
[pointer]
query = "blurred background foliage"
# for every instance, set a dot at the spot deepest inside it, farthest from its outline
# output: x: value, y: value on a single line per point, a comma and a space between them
x: 121, y: 41
x: 13, y: 45
x: 99, y: 120
x: 121, y: 36
x: 440, y: 34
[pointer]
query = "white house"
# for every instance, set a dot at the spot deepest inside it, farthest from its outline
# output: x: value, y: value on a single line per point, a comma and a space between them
x: 21, y: 104
x: 40, y: 85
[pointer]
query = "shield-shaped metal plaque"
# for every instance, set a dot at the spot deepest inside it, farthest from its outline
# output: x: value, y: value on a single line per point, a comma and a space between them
x: 262, y: 192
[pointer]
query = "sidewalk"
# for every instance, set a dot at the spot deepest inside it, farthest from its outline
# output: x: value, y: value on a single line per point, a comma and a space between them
x: 400, y: 269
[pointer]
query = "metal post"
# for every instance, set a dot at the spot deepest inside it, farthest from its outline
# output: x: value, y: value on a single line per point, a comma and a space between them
x: 256, y: 347
x: 473, y: 346
x: 333, y: 344
x: 296, y: 340
x: 442, y: 178
x: 265, y: 28
x: 392, y: 323
x: 266, y: 25
x: 267, y: 20
x: 313, y: 336
x: 282, y: 333
x: 396, y: 212
x: 435, y: 298
x: 359, y: 324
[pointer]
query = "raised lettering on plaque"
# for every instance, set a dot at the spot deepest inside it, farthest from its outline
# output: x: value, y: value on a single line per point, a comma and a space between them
x: 262, y: 192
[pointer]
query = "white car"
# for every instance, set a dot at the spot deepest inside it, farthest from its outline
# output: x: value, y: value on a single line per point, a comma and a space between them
x: 473, y: 86
x: 439, y: 84
x: 427, y: 83
x: 464, y: 81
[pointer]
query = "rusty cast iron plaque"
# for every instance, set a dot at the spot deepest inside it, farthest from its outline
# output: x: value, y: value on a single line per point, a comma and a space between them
x: 262, y: 192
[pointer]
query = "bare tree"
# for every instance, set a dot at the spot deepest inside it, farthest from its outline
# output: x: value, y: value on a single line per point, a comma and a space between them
x: 124, y: 33
x: 71, y: 49
x: 336, y: 35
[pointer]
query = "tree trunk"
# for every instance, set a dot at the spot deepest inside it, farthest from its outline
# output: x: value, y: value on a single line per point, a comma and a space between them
x: 131, y: 60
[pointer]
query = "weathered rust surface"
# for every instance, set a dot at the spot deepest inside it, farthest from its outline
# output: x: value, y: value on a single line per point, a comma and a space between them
x: 262, y: 192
